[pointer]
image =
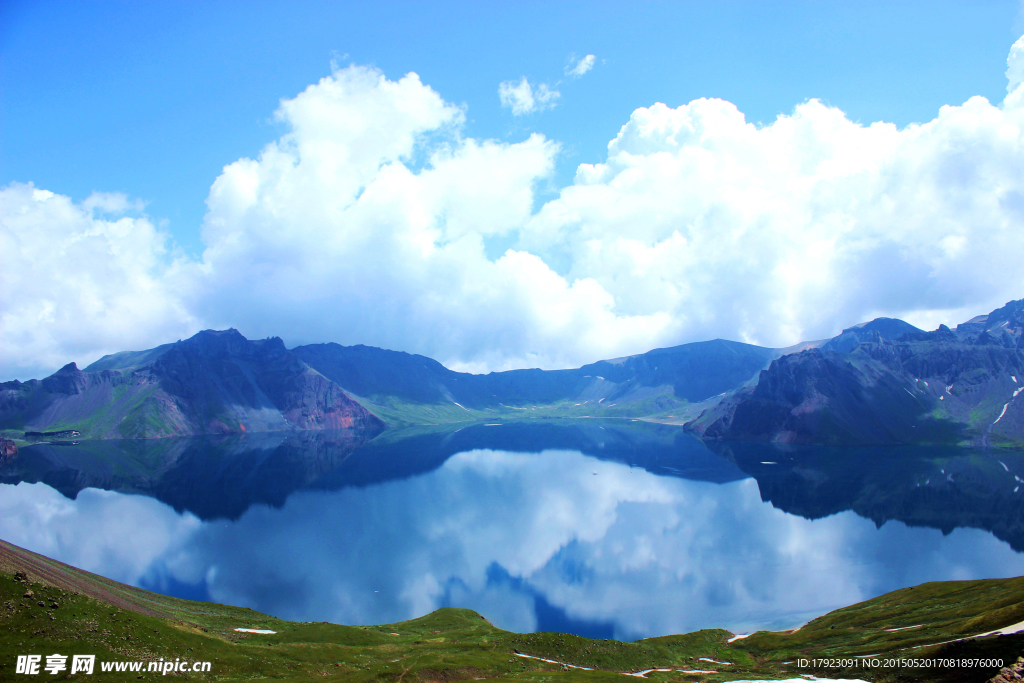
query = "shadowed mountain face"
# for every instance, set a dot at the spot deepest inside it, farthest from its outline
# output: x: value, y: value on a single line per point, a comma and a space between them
x: 864, y: 387
x: 222, y: 476
x: 941, y: 487
x: 212, y: 383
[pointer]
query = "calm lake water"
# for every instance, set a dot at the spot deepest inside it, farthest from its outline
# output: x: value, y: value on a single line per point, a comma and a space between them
x: 602, y: 528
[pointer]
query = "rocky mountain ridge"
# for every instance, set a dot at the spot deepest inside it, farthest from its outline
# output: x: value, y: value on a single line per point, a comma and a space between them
x: 884, y: 383
x: 880, y: 382
x: 220, y: 382
x: 212, y: 383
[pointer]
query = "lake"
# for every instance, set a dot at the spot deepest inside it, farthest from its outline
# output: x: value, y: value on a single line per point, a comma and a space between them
x: 603, y: 528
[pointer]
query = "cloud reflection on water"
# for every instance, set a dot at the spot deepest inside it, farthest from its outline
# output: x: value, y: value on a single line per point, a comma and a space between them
x: 122, y: 537
x: 508, y: 534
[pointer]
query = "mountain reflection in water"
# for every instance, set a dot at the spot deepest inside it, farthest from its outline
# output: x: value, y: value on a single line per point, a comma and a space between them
x: 604, y: 528
x: 943, y: 487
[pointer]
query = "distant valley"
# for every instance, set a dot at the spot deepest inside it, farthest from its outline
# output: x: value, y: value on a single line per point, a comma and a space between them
x: 664, y: 383
x: 877, y: 383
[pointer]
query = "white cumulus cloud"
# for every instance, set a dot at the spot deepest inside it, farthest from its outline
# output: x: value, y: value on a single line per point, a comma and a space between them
x: 581, y: 66
x: 79, y: 280
x: 320, y: 241
x: 523, y: 98
x: 795, y: 229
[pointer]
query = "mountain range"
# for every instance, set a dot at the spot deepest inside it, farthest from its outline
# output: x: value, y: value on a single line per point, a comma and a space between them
x: 880, y: 382
x: 219, y: 382
x: 212, y: 383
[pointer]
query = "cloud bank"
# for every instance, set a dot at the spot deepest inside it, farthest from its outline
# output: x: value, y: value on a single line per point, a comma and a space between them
x: 375, y: 220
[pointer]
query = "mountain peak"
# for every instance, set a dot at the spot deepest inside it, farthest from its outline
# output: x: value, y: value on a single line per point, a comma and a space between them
x: 217, y: 343
x: 873, y: 330
x: 68, y: 380
x: 1012, y: 314
x: 889, y: 328
x: 1003, y: 326
x: 230, y: 333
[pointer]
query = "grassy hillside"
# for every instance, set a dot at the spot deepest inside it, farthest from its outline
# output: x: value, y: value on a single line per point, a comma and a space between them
x: 47, y: 607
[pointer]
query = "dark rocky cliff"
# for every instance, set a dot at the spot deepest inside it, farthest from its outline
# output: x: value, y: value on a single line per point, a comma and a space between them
x: 947, y: 386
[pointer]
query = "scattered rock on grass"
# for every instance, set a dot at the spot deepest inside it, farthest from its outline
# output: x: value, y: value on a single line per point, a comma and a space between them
x: 1010, y: 673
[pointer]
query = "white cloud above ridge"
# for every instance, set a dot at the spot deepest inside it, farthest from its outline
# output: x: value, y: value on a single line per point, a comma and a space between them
x: 401, y: 255
x: 80, y: 279
x: 368, y: 223
x: 794, y: 229
x: 523, y: 98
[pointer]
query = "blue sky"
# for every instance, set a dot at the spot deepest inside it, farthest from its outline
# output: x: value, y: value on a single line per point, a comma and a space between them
x: 147, y: 103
